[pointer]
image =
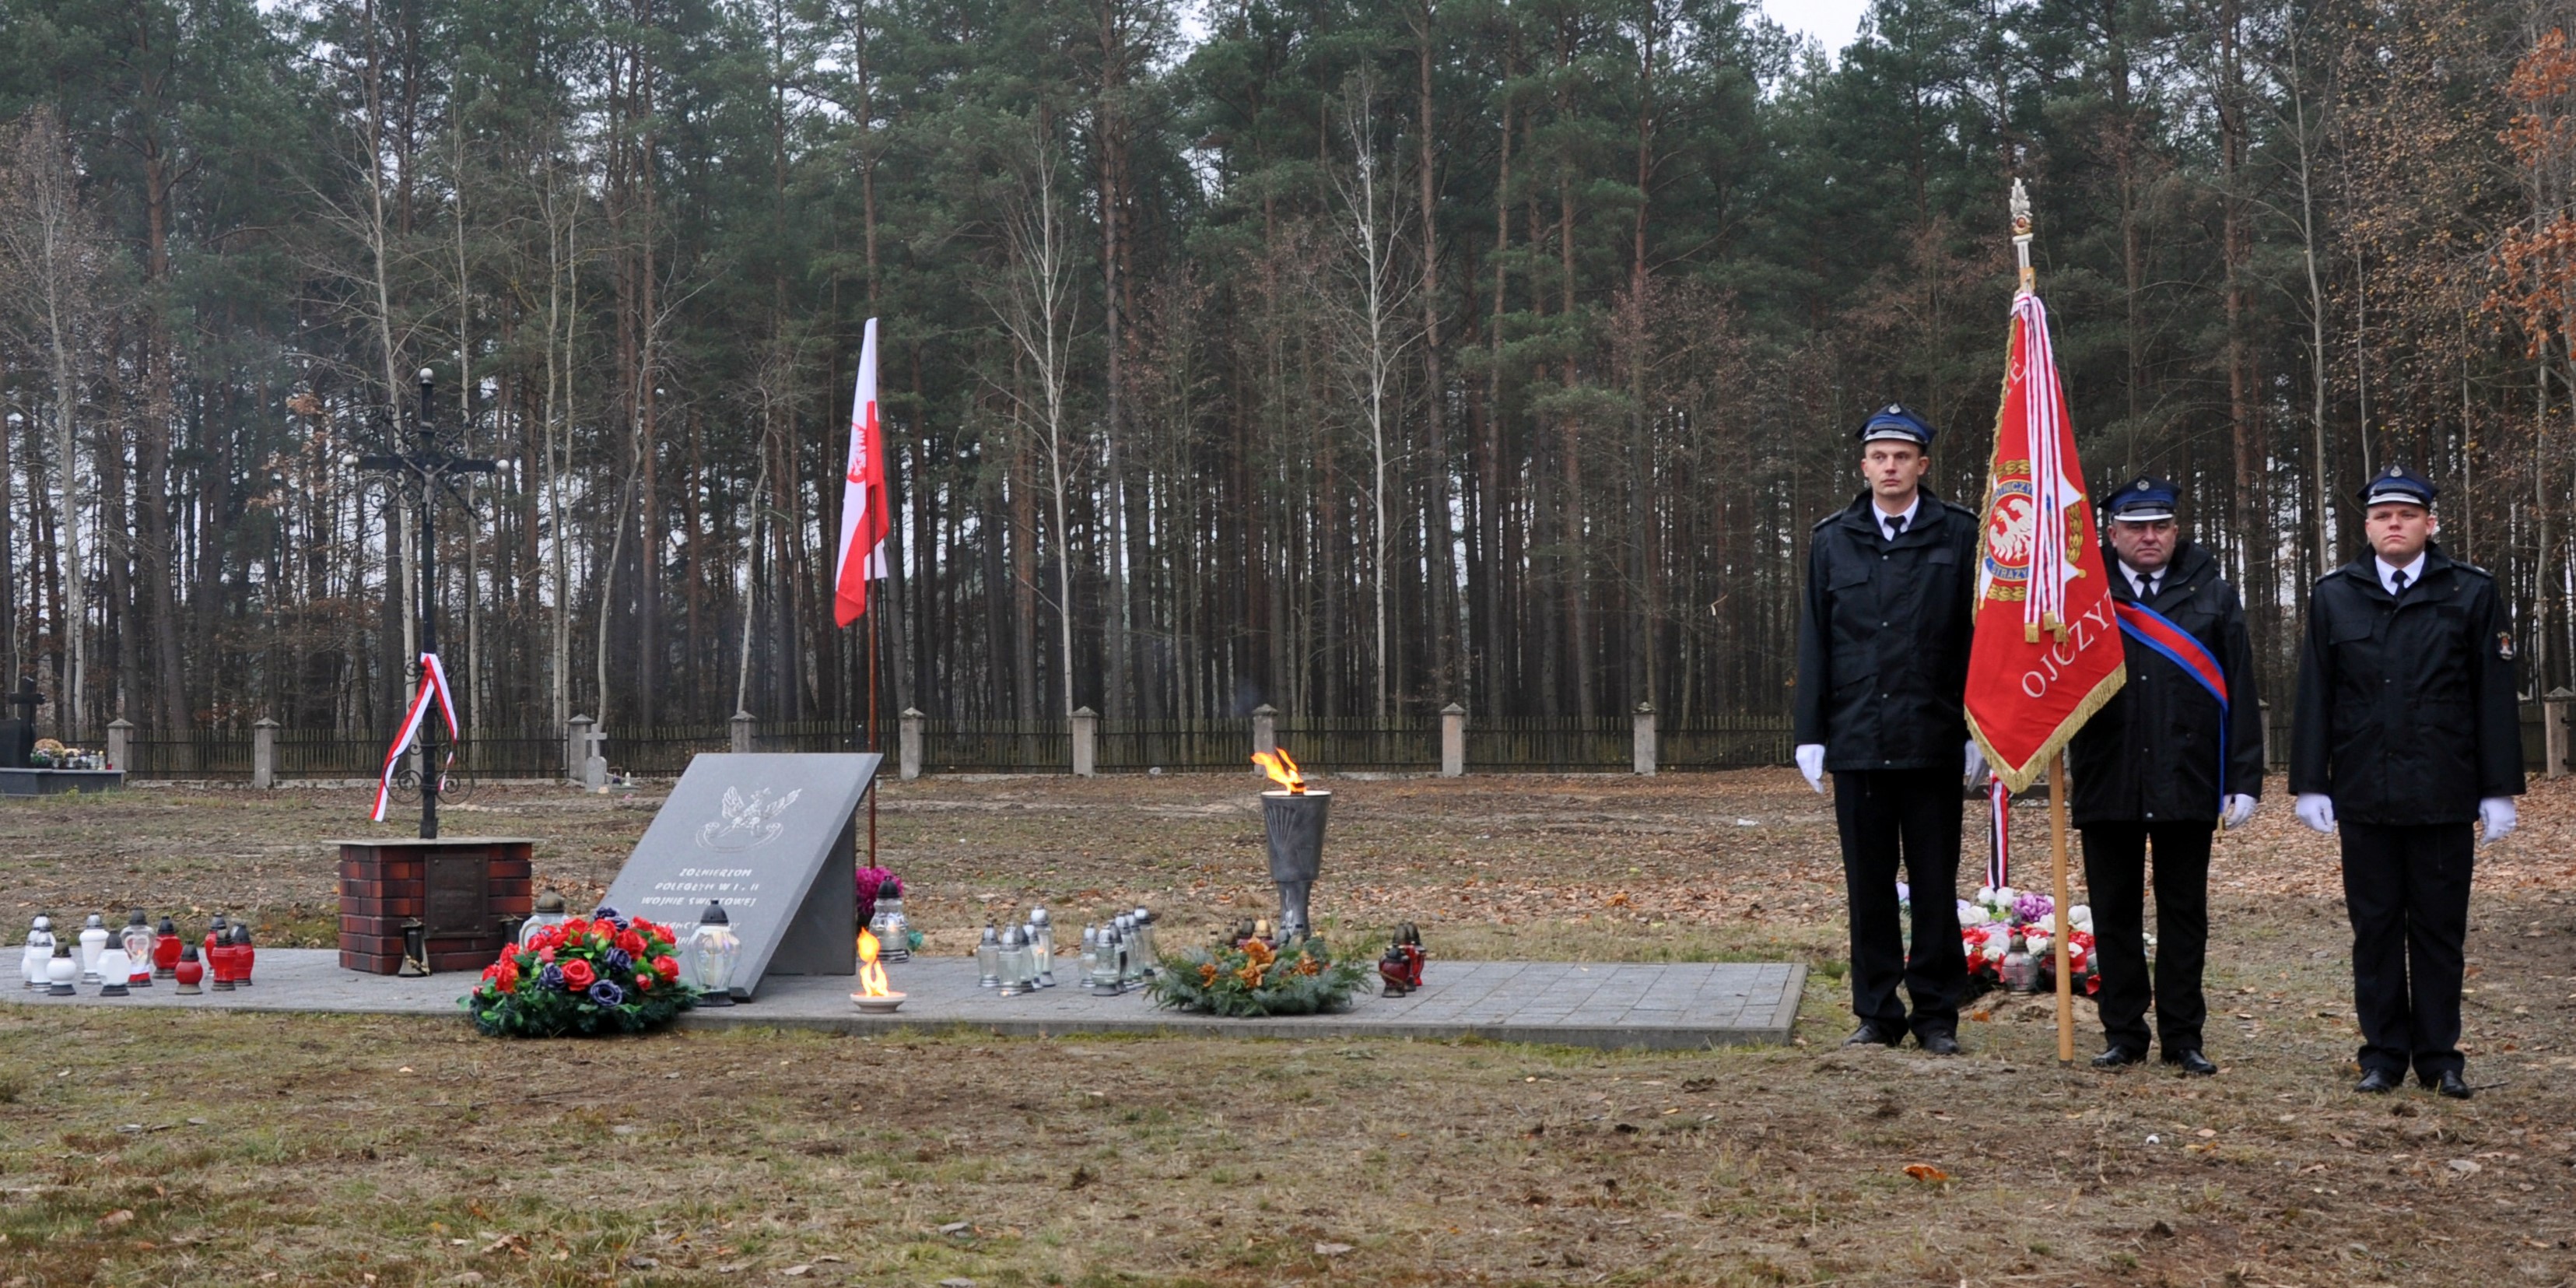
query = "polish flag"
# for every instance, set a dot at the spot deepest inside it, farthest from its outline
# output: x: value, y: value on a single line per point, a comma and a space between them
x: 865, y: 517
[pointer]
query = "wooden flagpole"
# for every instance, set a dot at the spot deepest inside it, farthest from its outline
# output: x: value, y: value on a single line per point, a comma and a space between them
x: 2057, y: 942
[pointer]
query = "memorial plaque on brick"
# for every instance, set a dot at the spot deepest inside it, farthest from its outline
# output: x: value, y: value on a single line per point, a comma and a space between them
x: 771, y: 836
x: 456, y: 902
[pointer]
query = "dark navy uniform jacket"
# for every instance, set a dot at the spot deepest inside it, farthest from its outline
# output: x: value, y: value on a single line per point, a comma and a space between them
x: 2150, y: 755
x: 1883, y: 638
x: 2407, y: 710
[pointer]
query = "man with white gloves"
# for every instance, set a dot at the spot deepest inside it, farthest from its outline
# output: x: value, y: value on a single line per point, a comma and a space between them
x: 2407, y: 734
x: 2175, y: 753
x: 1881, y: 703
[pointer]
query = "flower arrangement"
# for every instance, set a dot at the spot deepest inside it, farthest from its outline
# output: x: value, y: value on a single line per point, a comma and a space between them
x: 1252, y: 979
x: 52, y: 754
x: 1996, y: 921
x: 591, y: 975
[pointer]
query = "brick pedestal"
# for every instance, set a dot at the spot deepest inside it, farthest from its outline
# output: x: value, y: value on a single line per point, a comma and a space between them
x: 460, y: 888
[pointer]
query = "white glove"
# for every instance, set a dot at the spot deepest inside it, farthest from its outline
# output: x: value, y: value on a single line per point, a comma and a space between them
x: 1976, y: 764
x: 2316, y: 809
x: 2497, y: 814
x: 2239, y: 808
x: 1811, y: 762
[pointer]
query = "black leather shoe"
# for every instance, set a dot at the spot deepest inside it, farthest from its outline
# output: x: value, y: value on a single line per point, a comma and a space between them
x: 1937, y: 1043
x: 2191, y: 1061
x: 2452, y: 1085
x: 1869, y: 1034
x: 2118, y: 1056
x: 2377, y: 1082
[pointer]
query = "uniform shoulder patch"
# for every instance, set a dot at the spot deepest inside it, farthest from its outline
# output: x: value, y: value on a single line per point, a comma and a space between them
x: 2504, y: 646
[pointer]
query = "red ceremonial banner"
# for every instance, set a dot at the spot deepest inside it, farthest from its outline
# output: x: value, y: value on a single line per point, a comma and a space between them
x: 2047, y: 651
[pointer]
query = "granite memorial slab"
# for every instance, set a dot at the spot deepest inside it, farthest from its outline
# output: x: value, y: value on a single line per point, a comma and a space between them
x: 772, y: 837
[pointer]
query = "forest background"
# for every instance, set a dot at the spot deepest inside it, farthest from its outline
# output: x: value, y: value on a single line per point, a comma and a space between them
x: 1357, y: 358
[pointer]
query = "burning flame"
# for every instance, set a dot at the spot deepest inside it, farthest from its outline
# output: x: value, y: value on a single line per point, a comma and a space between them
x: 872, y: 977
x: 1282, y: 770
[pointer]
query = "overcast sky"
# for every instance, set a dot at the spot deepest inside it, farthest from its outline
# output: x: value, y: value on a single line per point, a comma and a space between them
x: 1831, y: 22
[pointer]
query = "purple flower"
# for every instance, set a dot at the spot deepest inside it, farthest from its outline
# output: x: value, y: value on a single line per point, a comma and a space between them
x: 607, y: 993
x: 618, y: 962
x: 550, y: 977
x: 2033, y: 907
x: 606, y: 913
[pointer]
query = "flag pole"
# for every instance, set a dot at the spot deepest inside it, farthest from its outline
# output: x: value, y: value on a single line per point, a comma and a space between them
x: 2057, y: 764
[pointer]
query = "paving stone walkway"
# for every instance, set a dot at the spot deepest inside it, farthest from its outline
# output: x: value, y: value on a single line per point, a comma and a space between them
x: 1667, y: 1007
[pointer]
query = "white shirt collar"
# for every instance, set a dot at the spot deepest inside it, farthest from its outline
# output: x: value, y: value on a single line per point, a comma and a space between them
x: 2414, y: 571
x: 2137, y: 578
x: 1881, y: 517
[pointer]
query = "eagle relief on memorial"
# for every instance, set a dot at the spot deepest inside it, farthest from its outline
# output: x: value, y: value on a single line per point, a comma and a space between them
x: 748, y: 821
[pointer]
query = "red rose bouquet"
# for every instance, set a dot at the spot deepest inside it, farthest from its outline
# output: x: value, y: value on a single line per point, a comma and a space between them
x: 600, y: 974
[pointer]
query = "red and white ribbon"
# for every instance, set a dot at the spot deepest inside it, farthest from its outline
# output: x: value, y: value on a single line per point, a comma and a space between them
x: 1998, y: 832
x: 433, y: 680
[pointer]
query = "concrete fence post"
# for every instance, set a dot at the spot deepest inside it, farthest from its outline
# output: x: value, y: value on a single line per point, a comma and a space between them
x: 741, y: 727
x: 120, y: 742
x: 2553, y: 731
x: 1453, y: 741
x: 2263, y: 713
x: 263, y: 753
x: 907, y: 741
x: 576, y: 747
x: 1644, y: 745
x: 1265, y: 732
x: 1086, y: 742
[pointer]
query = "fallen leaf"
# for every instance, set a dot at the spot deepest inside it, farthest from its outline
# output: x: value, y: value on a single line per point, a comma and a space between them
x: 793, y: 1272
x: 1926, y: 1172
x: 112, y: 1220
x: 2465, y: 1166
x: 957, y: 1227
x: 1331, y: 1249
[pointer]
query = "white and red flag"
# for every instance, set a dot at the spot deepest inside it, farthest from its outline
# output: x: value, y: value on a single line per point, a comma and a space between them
x: 2047, y: 650
x: 865, y: 517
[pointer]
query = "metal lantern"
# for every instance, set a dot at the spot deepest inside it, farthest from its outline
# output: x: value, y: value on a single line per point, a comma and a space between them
x: 93, y: 941
x: 713, y: 950
x: 39, y: 950
x: 139, y: 941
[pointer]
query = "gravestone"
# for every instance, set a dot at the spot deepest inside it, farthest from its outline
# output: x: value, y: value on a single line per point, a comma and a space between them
x: 773, y: 837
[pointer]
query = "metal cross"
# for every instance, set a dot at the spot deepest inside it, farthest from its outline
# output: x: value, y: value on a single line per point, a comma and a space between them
x: 429, y: 465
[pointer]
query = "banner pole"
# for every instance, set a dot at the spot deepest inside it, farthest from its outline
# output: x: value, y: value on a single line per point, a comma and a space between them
x: 2057, y: 941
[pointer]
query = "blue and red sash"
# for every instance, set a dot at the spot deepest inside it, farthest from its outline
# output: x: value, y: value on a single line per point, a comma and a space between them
x: 2176, y: 645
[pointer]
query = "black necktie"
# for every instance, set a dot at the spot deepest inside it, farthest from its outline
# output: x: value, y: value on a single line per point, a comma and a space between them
x: 2146, y: 587
x: 1895, y: 525
x: 2397, y: 583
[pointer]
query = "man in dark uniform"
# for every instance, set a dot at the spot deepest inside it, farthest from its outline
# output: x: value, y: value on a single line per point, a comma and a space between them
x: 1882, y: 684
x: 2162, y: 765
x: 2407, y: 735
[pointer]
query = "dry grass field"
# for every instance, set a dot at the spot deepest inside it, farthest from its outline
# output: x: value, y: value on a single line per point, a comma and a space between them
x: 145, y: 1147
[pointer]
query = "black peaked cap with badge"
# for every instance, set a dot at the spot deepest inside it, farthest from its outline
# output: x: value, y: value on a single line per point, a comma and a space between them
x: 2399, y: 484
x: 1899, y: 422
x: 2143, y: 499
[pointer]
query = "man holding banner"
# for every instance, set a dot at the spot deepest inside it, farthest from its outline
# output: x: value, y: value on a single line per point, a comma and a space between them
x: 1882, y: 652
x: 2176, y: 751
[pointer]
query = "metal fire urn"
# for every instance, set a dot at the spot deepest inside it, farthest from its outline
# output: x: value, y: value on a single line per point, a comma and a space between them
x: 1294, y: 824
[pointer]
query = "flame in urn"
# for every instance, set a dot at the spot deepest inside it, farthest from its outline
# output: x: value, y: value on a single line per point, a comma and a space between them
x: 1282, y: 770
x: 872, y: 977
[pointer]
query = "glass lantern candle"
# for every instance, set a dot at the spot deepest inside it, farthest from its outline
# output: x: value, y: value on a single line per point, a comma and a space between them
x: 550, y: 911
x: 39, y: 950
x: 713, y: 948
x: 1014, y: 963
x: 1090, y: 956
x: 60, y: 970
x: 219, y: 964
x: 115, y: 971
x: 1147, y: 961
x: 988, y: 959
x: 1042, y: 946
x: 93, y: 942
x: 188, y: 970
x: 893, y: 932
x: 216, y: 931
x: 139, y: 941
x: 165, y: 949
x: 244, y: 953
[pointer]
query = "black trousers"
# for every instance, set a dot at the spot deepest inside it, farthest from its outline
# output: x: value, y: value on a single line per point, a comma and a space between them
x: 2115, y: 875
x: 2407, y: 891
x: 1908, y: 818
